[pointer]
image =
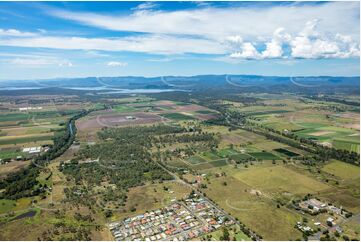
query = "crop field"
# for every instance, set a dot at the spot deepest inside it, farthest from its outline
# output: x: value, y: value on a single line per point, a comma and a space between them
x: 230, y: 165
x: 286, y: 152
x: 196, y: 160
x: 206, y: 112
x: 124, y: 109
x: 264, y: 156
x: 346, y: 145
x: 24, y: 139
x: 227, y: 152
x: 177, y: 116
x: 210, y: 156
x: 24, y: 125
x: 10, y: 153
x: 240, y: 157
x: 217, y: 163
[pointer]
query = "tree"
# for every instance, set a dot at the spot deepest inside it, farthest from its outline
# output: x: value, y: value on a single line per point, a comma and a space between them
x: 225, y: 235
x: 108, y: 213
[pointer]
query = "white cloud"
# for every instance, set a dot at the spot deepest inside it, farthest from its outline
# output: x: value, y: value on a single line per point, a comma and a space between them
x: 327, y: 30
x: 312, y: 44
x: 145, y: 6
x: 37, y: 61
x: 248, y: 51
x: 274, y: 48
x: 66, y: 64
x: 15, y: 33
x: 117, y: 64
x: 159, y: 44
x: 218, y: 23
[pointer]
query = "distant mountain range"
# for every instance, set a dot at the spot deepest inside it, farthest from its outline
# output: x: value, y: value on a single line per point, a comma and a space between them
x: 242, y: 82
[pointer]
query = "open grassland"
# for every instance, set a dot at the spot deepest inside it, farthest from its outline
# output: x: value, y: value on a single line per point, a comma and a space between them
x: 256, y: 211
x: 7, y: 206
x: 343, y: 197
x: 342, y: 170
x: 49, y: 223
x: 280, y: 179
x: 352, y: 228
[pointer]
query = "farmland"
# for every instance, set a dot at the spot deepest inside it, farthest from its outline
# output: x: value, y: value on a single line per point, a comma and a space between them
x: 135, y: 154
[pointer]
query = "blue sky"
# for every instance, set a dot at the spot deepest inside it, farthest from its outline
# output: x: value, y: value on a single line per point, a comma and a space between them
x: 79, y: 39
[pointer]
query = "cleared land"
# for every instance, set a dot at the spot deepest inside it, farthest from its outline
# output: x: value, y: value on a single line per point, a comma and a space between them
x: 280, y: 179
x: 117, y: 120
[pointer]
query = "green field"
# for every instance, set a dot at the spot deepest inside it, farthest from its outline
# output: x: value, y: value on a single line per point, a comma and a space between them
x: 124, y: 109
x: 260, y: 113
x: 342, y: 170
x: 177, y: 116
x: 226, y: 152
x: 346, y: 145
x: 10, y: 154
x: 6, y: 205
x: 264, y: 156
x: 217, y: 163
x: 210, y: 156
x: 25, y: 139
x: 196, y: 160
x: 240, y: 157
x: 286, y: 152
x: 321, y: 132
x: 205, y: 112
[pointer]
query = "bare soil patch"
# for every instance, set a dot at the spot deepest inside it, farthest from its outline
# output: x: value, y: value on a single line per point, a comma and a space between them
x: 320, y: 133
x: 12, y: 167
x: 117, y: 120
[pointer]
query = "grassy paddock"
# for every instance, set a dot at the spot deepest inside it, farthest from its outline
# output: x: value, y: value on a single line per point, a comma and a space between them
x: 177, y: 116
x: 342, y: 170
x: 256, y: 212
x: 279, y: 179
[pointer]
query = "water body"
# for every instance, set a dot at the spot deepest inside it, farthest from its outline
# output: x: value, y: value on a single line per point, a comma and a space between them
x: 130, y: 91
x: 29, y: 214
x: 71, y: 129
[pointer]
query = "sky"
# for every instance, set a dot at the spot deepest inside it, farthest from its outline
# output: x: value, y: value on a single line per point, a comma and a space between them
x: 41, y: 40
